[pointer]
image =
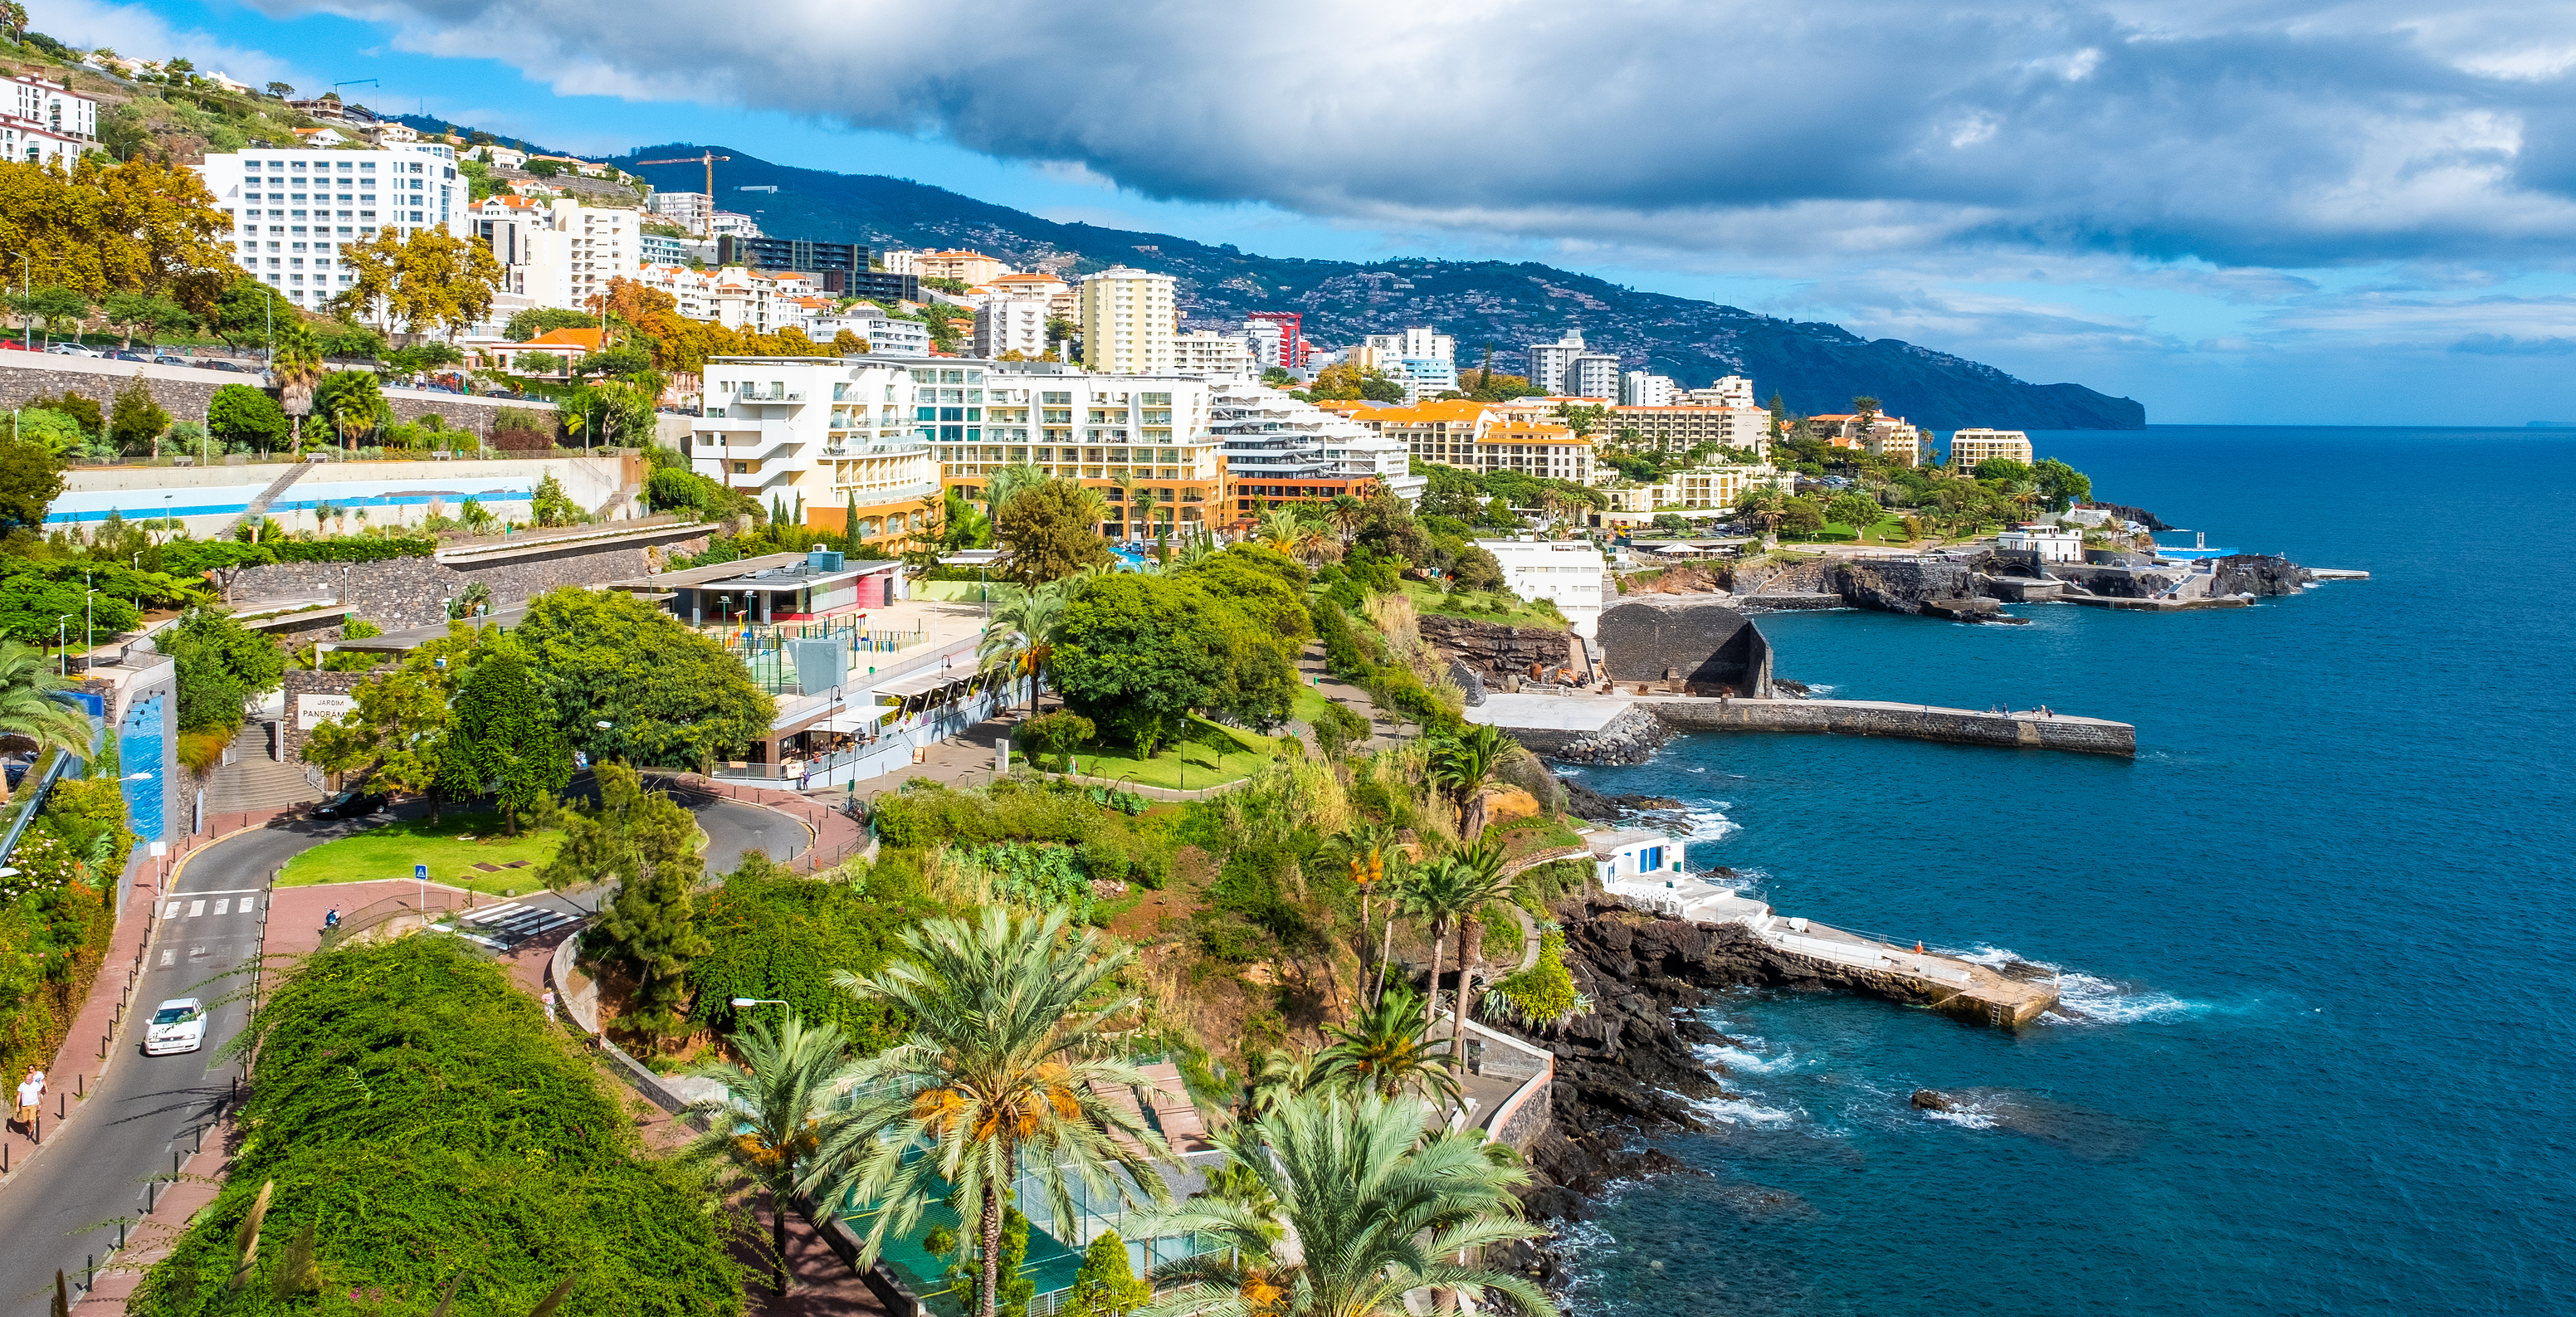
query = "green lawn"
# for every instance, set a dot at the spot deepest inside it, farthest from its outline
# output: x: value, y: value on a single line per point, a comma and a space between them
x: 1483, y: 606
x: 450, y: 848
x: 1309, y: 706
x: 1206, y: 767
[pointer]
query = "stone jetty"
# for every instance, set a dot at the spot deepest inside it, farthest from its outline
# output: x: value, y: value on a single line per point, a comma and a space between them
x: 1590, y: 728
x: 1884, y: 968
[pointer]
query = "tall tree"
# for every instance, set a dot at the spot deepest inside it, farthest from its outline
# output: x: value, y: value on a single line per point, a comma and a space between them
x: 1007, y: 1066
x: 506, y: 732
x: 648, y: 846
x: 1468, y: 762
x: 1484, y: 884
x: 671, y: 697
x: 398, y: 728
x: 31, y: 475
x: 764, y: 1121
x: 1047, y: 531
x: 1386, y: 1049
x: 1376, y: 1208
x: 28, y: 707
x: 296, y: 368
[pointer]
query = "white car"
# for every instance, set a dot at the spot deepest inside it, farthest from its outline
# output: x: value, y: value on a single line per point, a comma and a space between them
x: 70, y: 350
x: 179, y: 1026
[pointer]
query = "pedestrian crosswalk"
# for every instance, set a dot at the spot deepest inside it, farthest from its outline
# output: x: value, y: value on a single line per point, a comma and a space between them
x: 511, y: 922
x: 183, y: 907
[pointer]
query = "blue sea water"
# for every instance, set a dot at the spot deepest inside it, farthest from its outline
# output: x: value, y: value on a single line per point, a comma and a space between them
x: 2318, y: 931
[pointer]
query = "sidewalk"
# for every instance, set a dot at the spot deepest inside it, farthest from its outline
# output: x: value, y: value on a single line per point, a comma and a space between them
x: 88, y: 1048
x: 152, y: 1238
x: 836, y: 836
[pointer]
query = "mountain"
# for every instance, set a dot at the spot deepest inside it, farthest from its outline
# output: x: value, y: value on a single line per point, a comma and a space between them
x: 1815, y: 367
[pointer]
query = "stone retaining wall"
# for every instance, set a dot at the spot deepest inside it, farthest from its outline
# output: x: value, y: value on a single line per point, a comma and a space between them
x: 395, y: 593
x: 1912, y: 722
x: 299, y: 683
x: 185, y: 391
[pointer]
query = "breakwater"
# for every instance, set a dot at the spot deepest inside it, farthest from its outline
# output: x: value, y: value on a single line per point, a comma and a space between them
x: 1623, y: 728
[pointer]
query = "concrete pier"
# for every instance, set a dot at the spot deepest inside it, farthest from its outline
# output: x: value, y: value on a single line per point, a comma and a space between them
x: 1546, y: 723
x: 1963, y: 988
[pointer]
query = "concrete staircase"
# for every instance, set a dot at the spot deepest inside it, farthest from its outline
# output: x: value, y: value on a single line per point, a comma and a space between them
x: 253, y: 780
x: 259, y: 504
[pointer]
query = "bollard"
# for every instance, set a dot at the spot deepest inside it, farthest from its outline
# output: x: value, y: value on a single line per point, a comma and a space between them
x: 66, y: 1100
x: 89, y: 1275
x: 201, y: 1140
x: 82, y: 1082
x: 175, y: 1155
x: 120, y: 1234
x: 36, y: 1131
x: 151, y: 1196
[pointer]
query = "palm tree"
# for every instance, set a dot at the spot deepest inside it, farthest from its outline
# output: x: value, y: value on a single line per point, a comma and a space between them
x: 1364, y: 849
x: 1140, y: 508
x: 1127, y: 487
x: 295, y: 368
x: 1435, y: 892
x: 1023, y: 631
x: 766, y: 1123
x: 1482, y: 882
x: 28, y: 707
x: 1466, y: 764
x: 1280, y: 529
x: 1377, y: 1209
x: 1006, y: 1057
x: 1346, y: 511
x: 1005, y: 484
x: 1386, y: 1049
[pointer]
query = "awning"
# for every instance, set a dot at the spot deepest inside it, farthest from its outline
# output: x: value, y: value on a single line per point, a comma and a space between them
x: 852, y: 720
x: 923, y: 683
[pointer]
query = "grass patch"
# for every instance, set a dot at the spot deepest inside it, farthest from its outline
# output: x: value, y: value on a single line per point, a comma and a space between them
x: 450, y: 847
x: 1205, y: 766
x: 1482, y: 606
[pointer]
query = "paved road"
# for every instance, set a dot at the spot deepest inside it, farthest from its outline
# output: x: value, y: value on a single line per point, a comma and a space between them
x: 62, y: 1205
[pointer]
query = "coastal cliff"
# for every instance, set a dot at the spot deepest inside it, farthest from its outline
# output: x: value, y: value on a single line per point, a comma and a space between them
x: 1492, y: 649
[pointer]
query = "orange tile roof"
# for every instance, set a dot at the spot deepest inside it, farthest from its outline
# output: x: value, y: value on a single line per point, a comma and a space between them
x: 585, y: 339
x: 1434, y: 409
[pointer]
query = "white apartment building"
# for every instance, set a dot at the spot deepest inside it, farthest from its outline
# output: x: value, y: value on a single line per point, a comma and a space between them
x: 1969, y: 447
x: 1730, y: 391
x: 1095, y: 429
x: 1548, y: 362
x: 1422, y: 344
x: 293, y: 209
x: 1127, y: 322
x: 46, y: 122
x: 689, y: 210
x: 1592, y: 375
x: 735, y: 297
x: 1278, y: 449
x: 886, y: 336
x: 1639, y: 389
x: 1207, y: 352
x: 1062, y: 302
x: 561, y: 254
x: 1268, y: 340
x: 1010, y: 324
x: 727, y: 222
x: 821, y: 433
x: 1568, y: 572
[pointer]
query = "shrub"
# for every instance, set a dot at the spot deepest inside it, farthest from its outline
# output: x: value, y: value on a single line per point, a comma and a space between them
x: 421, y: 1120
x: 773, y: 935
x: 1542, y: 996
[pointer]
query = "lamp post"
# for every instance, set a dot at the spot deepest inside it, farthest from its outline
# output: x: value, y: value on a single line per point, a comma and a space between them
x: 62, y: 644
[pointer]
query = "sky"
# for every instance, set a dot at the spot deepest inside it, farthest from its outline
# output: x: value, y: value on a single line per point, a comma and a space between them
x: 2282, y: 213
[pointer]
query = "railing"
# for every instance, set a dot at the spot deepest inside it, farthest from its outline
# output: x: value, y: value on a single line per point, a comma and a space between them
x: 392, y: 908
x: 31, y: 798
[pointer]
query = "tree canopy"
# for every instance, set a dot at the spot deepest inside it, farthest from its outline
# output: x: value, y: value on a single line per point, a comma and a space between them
x: 221, y: 665
x: 1050, y: 530
x: 1140, y: 652
x: 671, y: 697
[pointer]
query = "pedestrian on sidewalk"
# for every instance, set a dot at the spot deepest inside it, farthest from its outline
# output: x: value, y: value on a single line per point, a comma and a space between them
x: 31, y: 1094
x: 549, y: 1000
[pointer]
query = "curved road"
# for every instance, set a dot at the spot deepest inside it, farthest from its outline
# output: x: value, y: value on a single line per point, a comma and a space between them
x: 62, y: 1204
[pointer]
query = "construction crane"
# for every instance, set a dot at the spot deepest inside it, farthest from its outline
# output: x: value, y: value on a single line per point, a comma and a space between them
x: 708, y: 159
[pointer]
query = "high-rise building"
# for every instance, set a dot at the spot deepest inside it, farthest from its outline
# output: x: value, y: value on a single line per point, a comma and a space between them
x: 1280, y: 450
x: 1639, y: 389
x: 1971, y: 446
x: 840, y: 267
x: 1548, y: 362
x: 1207, y: 352
x: 45, y: 121
x: 689, y: 210
x: 292, y: 210
x: 1277, y: 339
x: 1148, y: 431
x: 1592, y: 375
x: 1127, y: 322
x: 1011, y: 324
x: 559, y: 255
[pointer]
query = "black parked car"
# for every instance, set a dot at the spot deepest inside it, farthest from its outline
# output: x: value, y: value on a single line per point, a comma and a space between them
x: 350, y: 805
x: 228, y: 366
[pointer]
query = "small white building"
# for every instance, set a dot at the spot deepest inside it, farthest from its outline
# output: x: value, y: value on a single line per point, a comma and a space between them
x: 50, y: 106
x: 2051, y: 543
x: 1639, y: 389
x: 1565, y: 572
x: 1631, y: 854
x: 886, y: 336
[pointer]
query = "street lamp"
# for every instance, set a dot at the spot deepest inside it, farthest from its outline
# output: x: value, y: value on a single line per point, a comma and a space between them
x: 62, y: 644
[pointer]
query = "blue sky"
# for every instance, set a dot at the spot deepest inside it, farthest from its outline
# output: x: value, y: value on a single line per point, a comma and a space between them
x: 2353, y: 212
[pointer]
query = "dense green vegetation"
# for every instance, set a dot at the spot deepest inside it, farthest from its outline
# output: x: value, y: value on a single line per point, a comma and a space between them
x: 776, y: 935
x: 427, y: 1133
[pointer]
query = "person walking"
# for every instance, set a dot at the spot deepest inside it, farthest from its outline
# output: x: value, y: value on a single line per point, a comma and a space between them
x: 549, y: 1000
x: 31, y: 1094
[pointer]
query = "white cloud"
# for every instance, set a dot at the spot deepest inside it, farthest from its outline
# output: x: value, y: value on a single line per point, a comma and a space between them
x: 139, y: 33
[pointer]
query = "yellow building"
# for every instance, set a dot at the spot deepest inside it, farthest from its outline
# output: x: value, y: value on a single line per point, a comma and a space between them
x: 1127, y: 322
x: 1969, y: 447
x: 1479, y: 436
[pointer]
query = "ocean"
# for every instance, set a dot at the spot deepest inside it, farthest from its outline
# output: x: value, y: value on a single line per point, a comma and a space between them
x: 2315, y: 938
